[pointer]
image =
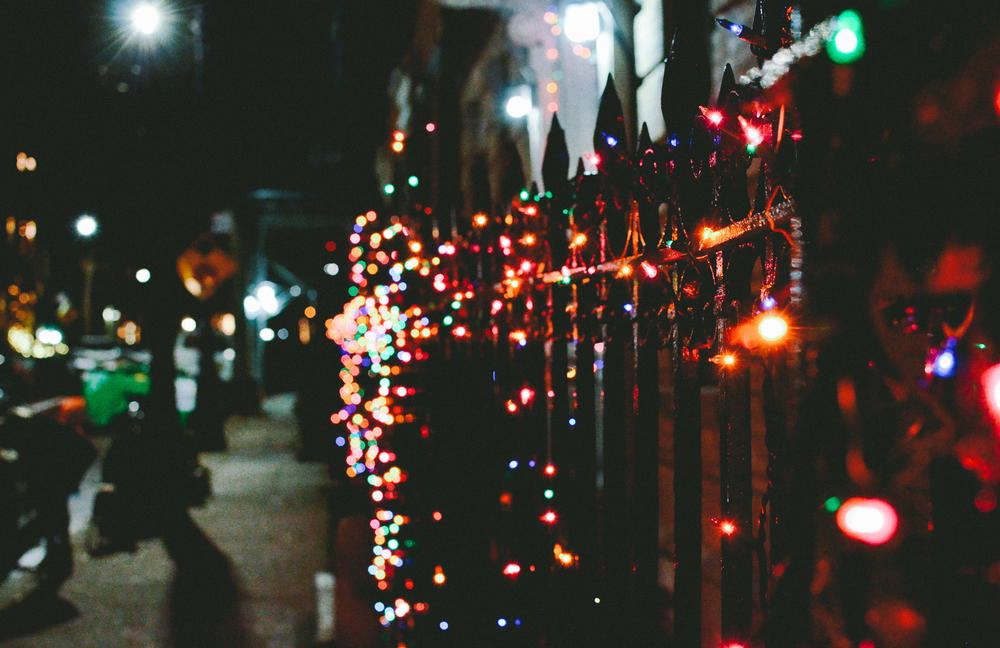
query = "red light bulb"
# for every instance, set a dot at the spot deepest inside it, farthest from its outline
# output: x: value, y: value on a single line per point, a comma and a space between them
x: 991, y: 387
x: 872, y: 521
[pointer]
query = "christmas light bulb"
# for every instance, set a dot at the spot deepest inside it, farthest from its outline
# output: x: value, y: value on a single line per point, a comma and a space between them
x: 511, y: 569
x: 772, y: 328
x: 991, y: 386
x: 714, y: 117
x: 872, y: 521
x: 848, y: 41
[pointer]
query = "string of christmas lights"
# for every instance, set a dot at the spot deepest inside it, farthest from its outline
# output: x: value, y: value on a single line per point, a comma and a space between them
x: 495, y: 283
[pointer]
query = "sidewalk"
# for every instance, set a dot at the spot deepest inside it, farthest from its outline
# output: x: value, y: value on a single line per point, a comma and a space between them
x: 268, y: 517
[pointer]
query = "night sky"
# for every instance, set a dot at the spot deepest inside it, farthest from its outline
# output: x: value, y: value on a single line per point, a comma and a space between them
x: 289, y: 95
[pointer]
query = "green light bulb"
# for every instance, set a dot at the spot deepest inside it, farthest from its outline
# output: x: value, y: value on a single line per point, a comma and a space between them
x: 848, y: 41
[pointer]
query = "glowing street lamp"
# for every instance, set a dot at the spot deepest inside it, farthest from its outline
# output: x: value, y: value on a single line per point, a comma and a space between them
x: 582, y: 22
x: 86, y: 225
x: 146, y: 18
x: 264, y: 301
x: 518, y: 104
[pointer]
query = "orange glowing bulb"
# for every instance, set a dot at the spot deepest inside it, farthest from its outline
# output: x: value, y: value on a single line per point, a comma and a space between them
x: 728, y: 527
x: 772, y: 327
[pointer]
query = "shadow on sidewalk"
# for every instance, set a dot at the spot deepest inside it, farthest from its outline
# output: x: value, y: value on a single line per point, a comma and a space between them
x: 37, y: 611
x: 204, y: 608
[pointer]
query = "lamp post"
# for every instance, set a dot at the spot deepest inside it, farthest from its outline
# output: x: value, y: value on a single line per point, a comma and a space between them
x: 151, y: 28
x: 86, y: 227
x: 151, y: 22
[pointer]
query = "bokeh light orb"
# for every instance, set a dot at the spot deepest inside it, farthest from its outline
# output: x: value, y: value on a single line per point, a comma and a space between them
x: 872, y: 521
x: 772, y: 328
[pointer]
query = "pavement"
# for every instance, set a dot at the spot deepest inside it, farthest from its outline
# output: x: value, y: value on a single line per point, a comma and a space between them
x: 265, y: 529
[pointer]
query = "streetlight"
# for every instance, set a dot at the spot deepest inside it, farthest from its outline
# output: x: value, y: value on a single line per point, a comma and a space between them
x: 264, y: 301
x: 146, y: 18
x: 518, y: 104
x: 582, y: 22
x: 86, y: 225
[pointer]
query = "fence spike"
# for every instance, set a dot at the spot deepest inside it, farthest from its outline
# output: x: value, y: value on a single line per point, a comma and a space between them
x: 647, y: 171
x: 728, y: 85
x: 555, y: 163
x: 645, y: 141
x: 609, y: 132
x: 513, y: 179
x: 678, y: 98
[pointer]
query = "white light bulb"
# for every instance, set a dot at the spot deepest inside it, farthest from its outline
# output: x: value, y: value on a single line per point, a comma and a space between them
x: 582, y: 22
x: 86, y: 225
x: 518, y: 106
x: 146, y: 18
